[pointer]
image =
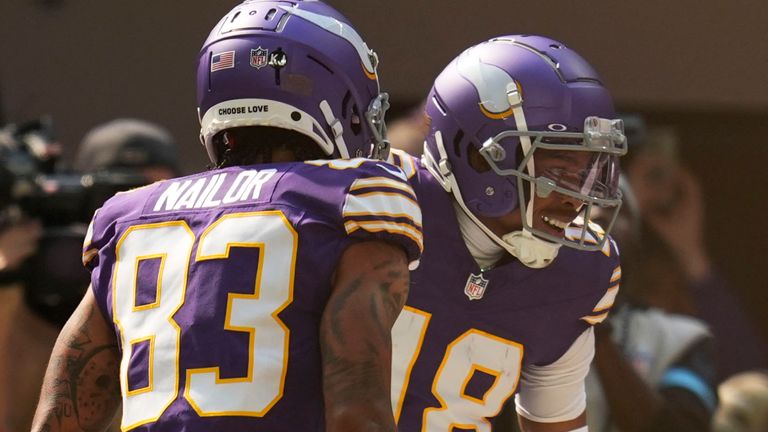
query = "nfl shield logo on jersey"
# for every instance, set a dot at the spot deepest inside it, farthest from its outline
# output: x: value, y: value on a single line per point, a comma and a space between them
x: 476, y: 285
x: 259, y: 57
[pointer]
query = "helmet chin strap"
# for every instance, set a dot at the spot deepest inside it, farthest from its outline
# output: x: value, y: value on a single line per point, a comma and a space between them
x: 336, y: 127
x: 483, y: 249
x: 531, y: 251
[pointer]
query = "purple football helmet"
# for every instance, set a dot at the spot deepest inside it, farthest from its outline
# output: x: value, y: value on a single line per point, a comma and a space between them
x: 509, y: 97
x: 292, y: 64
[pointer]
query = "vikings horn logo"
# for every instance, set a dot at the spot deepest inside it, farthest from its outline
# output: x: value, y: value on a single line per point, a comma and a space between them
x: 476, y: 285
x: 259, y: 57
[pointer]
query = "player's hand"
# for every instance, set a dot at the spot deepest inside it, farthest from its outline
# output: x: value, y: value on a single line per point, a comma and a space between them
x: 17, y: 243
x: 671, y: 203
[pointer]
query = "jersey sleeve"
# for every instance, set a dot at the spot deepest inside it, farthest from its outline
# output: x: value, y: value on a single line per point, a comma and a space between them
x: 94, y: 240
x: 556, y: 392
x: 404, y: 161
x: 381, y: 205
x: 95, y: 245
x: 101, y: 230
x: 610, y: 279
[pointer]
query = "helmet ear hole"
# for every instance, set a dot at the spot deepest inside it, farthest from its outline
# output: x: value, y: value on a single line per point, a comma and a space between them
x: 457, y: 142
x: 356, y: 123
x: 345, y: 105
x: 476, y: 160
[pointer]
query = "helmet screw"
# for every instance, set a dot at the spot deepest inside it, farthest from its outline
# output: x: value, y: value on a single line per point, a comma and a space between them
x: 490, y: 191
x: 496, y: 151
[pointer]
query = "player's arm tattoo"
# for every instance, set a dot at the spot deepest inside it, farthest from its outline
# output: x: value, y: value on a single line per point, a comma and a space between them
x: 370, y: 290
x: 81, y: 390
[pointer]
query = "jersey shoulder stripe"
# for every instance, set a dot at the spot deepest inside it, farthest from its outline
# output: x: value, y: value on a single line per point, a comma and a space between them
x: 381, y: 200
x: 606, y: 302
x: 593, y: 235
x: 373, y: 183
x: 378, y: 202
x: 404, y: 161
x: 376, y: 226
x: 616, y: 275
x: 595, y: 319
x: 89, y: 250
x: 382, y: 208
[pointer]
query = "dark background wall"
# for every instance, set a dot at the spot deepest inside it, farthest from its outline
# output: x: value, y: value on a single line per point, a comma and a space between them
x: 699, y: 65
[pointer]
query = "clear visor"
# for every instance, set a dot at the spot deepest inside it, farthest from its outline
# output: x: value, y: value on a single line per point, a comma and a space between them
x: 592, y: 175
x: 581, y: 166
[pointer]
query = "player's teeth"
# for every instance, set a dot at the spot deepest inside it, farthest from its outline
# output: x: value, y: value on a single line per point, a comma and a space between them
x: 555, y: 223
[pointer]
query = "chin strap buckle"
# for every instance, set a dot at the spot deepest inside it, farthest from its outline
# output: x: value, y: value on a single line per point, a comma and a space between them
x: 445, y: 168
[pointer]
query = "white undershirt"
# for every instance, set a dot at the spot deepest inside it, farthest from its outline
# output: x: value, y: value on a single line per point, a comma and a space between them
x: 484, y: 250
x: 556, y: 392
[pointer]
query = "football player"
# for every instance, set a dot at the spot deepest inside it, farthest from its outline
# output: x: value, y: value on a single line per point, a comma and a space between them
x: 259, y: 295
x: 523, y: 147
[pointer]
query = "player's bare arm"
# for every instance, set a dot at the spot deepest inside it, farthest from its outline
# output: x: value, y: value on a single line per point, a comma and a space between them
x: 579, y: 424
x: 370, y: 289
x: 81, y: 390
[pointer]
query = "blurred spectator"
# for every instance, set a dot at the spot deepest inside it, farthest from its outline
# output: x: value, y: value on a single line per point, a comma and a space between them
x: 653, y: 371
x: 19, y: 238
x: 129, y: 144
x: 671, y: 206
x: 127, y: 153
x: 408, y: 132
x: 118, y: 155
x: 743, y: 403
x: 17, y: 242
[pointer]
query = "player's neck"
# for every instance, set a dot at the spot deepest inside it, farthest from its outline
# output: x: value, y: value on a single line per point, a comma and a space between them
x: 483, y: 249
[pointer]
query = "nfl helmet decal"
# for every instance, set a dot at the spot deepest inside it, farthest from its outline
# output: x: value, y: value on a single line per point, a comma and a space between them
x: 259, y: 57
x: 476, y: 286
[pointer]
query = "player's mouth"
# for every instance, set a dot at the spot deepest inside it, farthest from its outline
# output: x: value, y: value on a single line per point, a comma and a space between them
x: 556, y: 224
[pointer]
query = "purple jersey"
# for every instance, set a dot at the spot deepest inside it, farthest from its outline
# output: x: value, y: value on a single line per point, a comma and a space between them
x: 216, y: 284
x: 465, y: 334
